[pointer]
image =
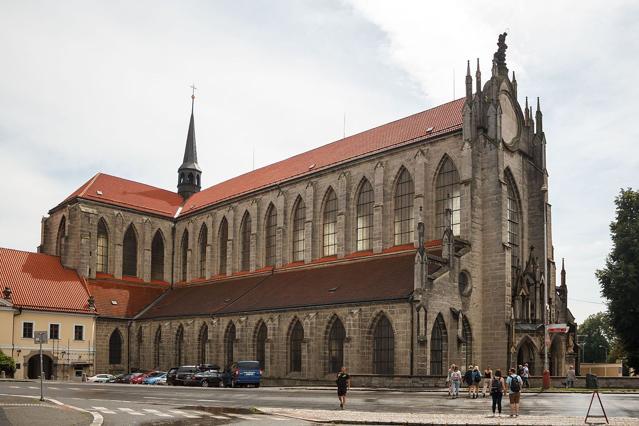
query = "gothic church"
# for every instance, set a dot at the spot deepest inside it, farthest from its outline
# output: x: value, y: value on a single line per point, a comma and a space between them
x: 395, y: 252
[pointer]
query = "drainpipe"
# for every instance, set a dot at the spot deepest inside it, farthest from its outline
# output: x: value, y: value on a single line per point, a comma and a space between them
x: 128, y: 346
x: 173, y: 255
x: 412, y: 336
x: 13, y: 334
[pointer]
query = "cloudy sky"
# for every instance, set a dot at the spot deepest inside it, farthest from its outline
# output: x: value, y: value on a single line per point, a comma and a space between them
x: 103, y: 86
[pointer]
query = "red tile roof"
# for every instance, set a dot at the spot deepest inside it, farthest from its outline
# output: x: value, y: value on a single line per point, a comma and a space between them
x: 379, y: 278
x: 430, y: 123
x: 39, y: 281
x: 130, y: 298
x: 424, y: 125
x: 127, y: 193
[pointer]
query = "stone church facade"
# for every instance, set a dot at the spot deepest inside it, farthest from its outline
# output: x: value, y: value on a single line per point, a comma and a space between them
x: 395, y: 252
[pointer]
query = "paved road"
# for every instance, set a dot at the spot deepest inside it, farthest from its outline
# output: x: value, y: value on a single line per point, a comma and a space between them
x: 137, y: 404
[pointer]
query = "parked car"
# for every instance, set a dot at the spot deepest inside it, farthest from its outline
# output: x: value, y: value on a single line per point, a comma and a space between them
x: 243, y: 373
x: 100, y: 378
x: 161, y: 380
x: 153, y: 378
x: 184, y: 374
x: 121, y: 378
x: 170, y: 376
x: 136, y: 380
x: 205, y: 379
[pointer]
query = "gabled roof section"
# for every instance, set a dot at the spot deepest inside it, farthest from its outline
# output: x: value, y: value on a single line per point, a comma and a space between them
x: 121, y: 299
x: 374, y: 279
x: 427, y: 124
x: 40, y: 282
x: 128, y: 194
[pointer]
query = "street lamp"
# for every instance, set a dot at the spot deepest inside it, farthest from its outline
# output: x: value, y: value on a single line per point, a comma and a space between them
x: 605, y: 348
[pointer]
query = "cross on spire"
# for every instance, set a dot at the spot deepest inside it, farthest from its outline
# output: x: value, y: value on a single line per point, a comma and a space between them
x: 193, y: 88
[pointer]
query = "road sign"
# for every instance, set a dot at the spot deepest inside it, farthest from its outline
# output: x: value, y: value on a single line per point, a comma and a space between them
x: 40, y: 337
x: 558, y: 328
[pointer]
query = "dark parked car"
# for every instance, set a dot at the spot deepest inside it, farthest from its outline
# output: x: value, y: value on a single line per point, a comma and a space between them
x: 184, y: 374
x: 205, y: 378
x: 243, y: 373
x: 170, y: 376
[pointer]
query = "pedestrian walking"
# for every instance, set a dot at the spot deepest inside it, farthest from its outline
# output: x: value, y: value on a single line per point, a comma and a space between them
x: 468, y: 380
x: 571, y: 376
x: 497, y: 389
x: 476, y: 381
x: 343, y: 384
x: 455, y: 380
x: 448, y: 382
x: 488, y: 374
x: 525, y: 374
x: 514, y: 383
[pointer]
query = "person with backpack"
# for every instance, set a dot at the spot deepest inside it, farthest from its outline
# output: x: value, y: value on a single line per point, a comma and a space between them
x: 497, y: 389
x: 476, y: 381
x: 525, y: 374
x: 468, y: 380
x: 514, y: 383
x: 488, y: 374
x: 455, y: 380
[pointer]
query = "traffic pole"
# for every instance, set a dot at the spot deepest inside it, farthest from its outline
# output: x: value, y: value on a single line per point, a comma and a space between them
x: 41, y: 374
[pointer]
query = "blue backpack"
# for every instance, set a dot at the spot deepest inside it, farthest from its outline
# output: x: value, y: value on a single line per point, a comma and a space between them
x: 476, y: 376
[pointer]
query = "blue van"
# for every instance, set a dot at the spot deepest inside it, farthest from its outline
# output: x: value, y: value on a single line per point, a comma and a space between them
x: 243, y: 373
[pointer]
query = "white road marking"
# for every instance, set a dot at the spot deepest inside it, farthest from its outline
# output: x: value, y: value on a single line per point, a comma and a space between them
x: 14, y: 387
x: 240, y: 416
x: 182, y: 413
x: 32, y: 387
x: 75, y: 388
x: 209, y: 400
x: 130, y: 411
x: 103, y: 410
x: 54, y: 388
x: 156, y: 412
x: 279, y: 419
x: 218, y: 417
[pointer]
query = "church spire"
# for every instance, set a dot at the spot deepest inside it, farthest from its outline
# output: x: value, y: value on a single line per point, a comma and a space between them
x: 189, y: 173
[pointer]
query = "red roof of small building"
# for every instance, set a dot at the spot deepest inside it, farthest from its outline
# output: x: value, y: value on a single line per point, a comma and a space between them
x: 39, y: 281
x: 423, y: 125
x: 130, y: 298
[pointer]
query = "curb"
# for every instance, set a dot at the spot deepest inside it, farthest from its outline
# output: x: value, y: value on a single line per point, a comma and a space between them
x: 97, y: 417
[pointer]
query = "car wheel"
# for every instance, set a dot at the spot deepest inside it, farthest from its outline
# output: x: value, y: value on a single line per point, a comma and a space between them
x: 205, y: 384
x: 257, y: 385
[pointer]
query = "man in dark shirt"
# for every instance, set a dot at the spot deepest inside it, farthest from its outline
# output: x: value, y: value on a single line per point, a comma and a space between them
x: 343, y: 383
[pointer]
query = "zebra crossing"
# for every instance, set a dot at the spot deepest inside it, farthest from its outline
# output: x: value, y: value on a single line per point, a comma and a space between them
x: 175, y: 413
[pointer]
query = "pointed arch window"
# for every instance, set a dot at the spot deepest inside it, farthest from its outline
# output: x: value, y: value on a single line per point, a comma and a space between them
x: 157, y: 347
x: 260, y: 345
x: 179, y: 346
x: 203, y: 344
x: 245, y: 243
x: 229, y: 342
x: 403, y: 209
x: 157, y: 257
x: 514, y: 221
x: 467, y: 344
x: 184, y: 255
x: 115, y: 347
x: 59, y: 242
x: 296, y: 339
x: 336, y: 337
x: 438, y: 345
x: 329, y: 224
x: 447, y: 196
x: 383, y: 347
x: 130, y: 252
x: 270, y: 241
x: 299, y: 219
x: 102, y: 248
x: 223, y: 239
x: 364, y: 220
x: 202, y: 243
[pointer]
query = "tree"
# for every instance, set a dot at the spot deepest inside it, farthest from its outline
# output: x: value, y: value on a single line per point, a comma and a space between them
x: 7, y: 364
x: 597, y: 336
x: 619, y: 279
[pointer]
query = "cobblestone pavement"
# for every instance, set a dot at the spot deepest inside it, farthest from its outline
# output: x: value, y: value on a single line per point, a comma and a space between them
x: 359, y: 417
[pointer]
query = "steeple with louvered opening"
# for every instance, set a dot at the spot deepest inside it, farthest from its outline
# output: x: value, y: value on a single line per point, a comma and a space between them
x: 189, y: 173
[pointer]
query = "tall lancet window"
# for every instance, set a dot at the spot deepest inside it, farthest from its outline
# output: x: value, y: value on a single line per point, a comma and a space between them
x: 299, y: 218
x: 270, y: 242
x: 403, y: 209
x: 447, y: 196
x: 364, y: 216
x: 513, y: 225
x: 184, y: 255
x: 202, y: 244
x: 329, y: 224
x: 102, y: 249
x: 245, y: 241
x: 223, y: 240
x: 130, y: 252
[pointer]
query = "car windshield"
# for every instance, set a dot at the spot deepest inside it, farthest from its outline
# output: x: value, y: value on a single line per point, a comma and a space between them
x: 157, y: 373
x: 249, y: 365
x: 187, y: 369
